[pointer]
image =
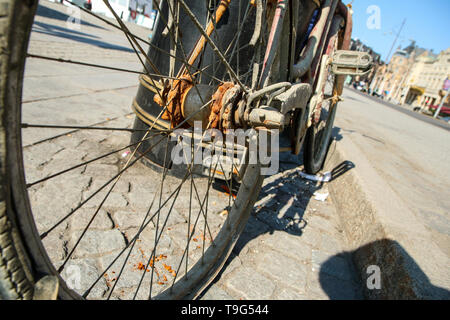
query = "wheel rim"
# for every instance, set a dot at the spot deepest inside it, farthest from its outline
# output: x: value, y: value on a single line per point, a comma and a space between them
x: 212, y: 257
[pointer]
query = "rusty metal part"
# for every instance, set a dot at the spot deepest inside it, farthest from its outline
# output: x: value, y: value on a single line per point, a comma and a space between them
x: 267, y: 117
x: 202, y: 41
x: 214, y: 117
x: 173, y: 97
x: 325, y: 69
x: 147, y: 82
x: 229, y: 103
x: 239, y: 114
x: 193, y: 105
x: 273, y: 40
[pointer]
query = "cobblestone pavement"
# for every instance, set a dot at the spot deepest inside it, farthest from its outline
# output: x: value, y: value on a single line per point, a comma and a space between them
x: 292, y: 247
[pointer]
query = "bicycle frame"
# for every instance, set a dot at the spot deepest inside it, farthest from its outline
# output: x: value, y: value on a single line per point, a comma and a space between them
x: 311, y: 66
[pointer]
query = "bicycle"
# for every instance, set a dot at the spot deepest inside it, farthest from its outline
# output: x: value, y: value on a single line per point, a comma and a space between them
x: 262, y: 65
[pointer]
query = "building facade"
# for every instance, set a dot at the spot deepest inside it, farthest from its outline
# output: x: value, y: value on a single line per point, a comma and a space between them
x: 432, y: 79
x: 414, y: 76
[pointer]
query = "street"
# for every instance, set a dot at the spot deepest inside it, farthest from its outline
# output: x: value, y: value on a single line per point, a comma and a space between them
x: 409, y: 154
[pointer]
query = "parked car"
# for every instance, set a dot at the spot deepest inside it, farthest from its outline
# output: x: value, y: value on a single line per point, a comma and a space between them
x: 445, y: 109
x: 87, y: 4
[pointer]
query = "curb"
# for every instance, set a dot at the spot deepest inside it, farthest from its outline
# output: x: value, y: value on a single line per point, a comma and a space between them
x: 373, y: 220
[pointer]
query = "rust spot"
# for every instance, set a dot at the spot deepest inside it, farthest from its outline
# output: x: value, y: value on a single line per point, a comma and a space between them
x: 173, y: 96
x: 214, y: 117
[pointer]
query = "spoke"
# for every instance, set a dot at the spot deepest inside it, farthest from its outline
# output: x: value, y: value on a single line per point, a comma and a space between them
x: 190, y: 207
x: 104, y: 20
x: 30, y: 55
x: 133, y: 42
x: 51, y: 126
x: 133, y: 240
x: 138, y: 158
x: 158, y: 216
x: 152, y: 255
x: 116, y: 179
x: 130, y: 36
x: 193, y: 231
x: 212, y: 44
x: 177, y: 42
x: 233, y: 43
x: 137, y: 37
x: 89, y: 161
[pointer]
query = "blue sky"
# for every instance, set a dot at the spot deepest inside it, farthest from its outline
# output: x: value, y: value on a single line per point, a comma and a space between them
x: 427, y: 22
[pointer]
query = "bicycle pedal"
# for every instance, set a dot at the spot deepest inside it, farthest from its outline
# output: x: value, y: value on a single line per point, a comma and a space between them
x: 354, y: 63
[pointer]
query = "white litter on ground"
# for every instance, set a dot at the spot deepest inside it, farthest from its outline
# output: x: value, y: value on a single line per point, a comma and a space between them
x: 321, y: 196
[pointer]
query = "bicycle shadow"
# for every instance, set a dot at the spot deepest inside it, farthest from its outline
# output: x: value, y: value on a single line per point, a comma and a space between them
x: 281, y: 204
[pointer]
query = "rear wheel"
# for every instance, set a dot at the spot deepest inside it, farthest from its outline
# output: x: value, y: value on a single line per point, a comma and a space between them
x: 318, y: 135
x: 103, y: 224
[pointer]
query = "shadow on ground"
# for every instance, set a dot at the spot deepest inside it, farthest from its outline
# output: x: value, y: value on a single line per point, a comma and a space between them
x: 46, y: 12
x: 65, y: 33
x: 279, y: 212
x: 391, y: 281
x: 71, y: 33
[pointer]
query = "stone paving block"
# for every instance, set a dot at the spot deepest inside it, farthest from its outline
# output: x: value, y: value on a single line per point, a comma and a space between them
x: 271, y: 219
x: 97, y: 243
x: 330, y: 244
x: 128, y: 218
x: 113, y: 200
x: 288, y: 244
x: 216, y: 293
x: 55, y: 244
x: 98, y: 181
x: 288, y: 271
x: 232, y: 263
x: 80, y: 274
x: 316, y: 221
x: 311, y: 236
x: 253, y: 229
x: 250, y: 285
x: 130, y: 275
x: 81, y: 218
x: 290, y: 294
